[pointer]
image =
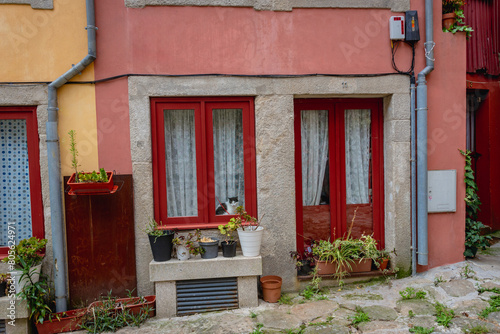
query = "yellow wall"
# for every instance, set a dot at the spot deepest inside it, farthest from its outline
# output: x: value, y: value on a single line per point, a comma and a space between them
x: 41, y: 45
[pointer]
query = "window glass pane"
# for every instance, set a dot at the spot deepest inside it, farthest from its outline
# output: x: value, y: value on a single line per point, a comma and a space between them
x: 229, y: 175
x: 15, y: 202
x: 314, y: 139
x: 315, y: 174
x: 358, y: 171
x: 180, y: 163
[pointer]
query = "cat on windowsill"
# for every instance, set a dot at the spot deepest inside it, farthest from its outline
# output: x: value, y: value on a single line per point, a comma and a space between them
x: 229, y: 207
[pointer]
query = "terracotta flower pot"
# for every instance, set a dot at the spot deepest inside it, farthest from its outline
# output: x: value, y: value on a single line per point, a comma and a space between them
x: 360, y: 266
x: 449, y: 20
x: 271, y: 288
x: 383, y: 264
x: 325, y: 267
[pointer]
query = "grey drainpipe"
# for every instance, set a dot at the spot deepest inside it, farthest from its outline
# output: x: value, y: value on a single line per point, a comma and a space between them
x: 54, y: 163
x: 422, y: 136
x: 413, y: 179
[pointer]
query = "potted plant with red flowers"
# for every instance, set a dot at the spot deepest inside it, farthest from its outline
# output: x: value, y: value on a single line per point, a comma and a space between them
x: 453, y: 17
x: 88, y: 183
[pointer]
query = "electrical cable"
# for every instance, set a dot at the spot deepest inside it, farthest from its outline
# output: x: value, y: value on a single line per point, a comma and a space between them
x: 394, y: 49
x: 208, y: 74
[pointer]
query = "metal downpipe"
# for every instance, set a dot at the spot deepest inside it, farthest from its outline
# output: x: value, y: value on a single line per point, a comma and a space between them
x: 54, y: 163
x: 422, y: 137
x: 413, y: 179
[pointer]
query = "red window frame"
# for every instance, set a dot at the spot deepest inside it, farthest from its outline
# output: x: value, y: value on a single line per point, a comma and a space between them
x: 336, y: 141
x: 203, y: 108
x: 29, y: 115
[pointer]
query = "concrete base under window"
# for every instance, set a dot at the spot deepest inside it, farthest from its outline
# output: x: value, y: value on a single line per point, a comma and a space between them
x: 20, y: 316
x: 165, y: 274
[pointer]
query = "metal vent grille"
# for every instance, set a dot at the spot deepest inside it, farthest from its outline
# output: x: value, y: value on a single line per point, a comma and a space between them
x: 3, y: 330
x: 206, y: 295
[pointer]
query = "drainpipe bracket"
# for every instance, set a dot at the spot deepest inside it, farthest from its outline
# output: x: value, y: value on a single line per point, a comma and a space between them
x: 91, y: 27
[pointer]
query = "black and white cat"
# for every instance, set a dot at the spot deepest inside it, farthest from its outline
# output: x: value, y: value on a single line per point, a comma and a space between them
x: 229, y: 207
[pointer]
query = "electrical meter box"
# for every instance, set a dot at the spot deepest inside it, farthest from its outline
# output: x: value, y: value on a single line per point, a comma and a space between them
x: 412, y: 31
x: 397, y: 27
x: 442, y: 191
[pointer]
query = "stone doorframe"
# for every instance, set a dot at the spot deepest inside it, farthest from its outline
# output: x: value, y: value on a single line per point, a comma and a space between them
x: 275, y: 160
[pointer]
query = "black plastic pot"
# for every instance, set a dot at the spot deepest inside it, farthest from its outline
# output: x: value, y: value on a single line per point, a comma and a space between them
x: 161, y: 246
x: 211, y: 249
x: 228, y: 250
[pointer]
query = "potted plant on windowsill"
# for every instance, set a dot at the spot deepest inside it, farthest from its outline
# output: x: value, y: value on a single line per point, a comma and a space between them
x: 249, y: 232
x: 185, y: 245
x: 88, y: 183
x: 26, y: 258
x: 229, y: 244
x: 160, y: 241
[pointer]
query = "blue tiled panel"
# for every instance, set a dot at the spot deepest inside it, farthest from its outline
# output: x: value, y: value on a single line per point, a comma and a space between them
x: 15, y: 202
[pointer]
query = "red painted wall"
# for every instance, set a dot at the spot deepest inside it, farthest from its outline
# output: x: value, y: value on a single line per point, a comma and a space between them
x: 203, y: 40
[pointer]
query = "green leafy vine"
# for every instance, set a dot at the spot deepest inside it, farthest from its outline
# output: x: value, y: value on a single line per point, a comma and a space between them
x: 473, y: 238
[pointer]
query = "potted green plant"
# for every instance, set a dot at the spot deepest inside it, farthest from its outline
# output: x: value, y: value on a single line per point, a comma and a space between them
x: 229, y: 244
x: 333, y: 257
x: 185, y: 245
x: 382, y: 260
x: 453, y: 17
x: 87, y: 183
x: 160, y: 241
x: 26, y: 257
x: 249, y: 232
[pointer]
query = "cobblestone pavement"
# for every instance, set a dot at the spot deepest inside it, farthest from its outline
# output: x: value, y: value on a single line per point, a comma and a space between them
x: 454, y: 287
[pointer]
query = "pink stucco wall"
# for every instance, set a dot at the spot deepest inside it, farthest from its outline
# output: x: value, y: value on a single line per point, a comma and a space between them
x: 204, y: 40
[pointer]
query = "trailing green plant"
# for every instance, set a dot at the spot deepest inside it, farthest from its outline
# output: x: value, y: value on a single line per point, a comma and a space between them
x: 93, y: 176
x: 459, y: 25
x: 444, y: 315
x: 411, y: 293
x: 421, y: 330
x: 27, y: 253
x: 473, y: 238
x: 359, y: 317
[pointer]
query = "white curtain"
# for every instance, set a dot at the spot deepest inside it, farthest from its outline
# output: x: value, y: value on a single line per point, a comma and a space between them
x: 180, y: 155
x: 357, y: 155
x: 15, y: 201
x: 228, y: 155
x: 314, y: 145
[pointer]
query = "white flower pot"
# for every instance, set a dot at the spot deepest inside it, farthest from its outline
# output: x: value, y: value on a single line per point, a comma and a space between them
x: 182, y: 253
x: 20, y: 283
x: 250, y: 240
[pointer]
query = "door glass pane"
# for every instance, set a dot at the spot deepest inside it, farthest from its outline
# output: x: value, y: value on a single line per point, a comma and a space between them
x: 229, y: 175
x: 315, y: 176
x: 358, y: 171
x: 15, y: 202
x: 180, y: 163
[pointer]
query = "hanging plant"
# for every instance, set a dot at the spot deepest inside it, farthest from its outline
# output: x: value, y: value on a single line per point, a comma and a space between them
x: 473, y: 238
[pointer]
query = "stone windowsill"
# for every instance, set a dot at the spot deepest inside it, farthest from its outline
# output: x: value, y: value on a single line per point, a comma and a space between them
x: 198, y: 268
x: 21, y: 308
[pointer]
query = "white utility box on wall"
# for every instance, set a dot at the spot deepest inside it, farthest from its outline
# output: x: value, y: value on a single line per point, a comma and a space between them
x: 442, y: 191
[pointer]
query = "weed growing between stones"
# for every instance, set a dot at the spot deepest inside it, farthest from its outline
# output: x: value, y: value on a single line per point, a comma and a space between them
x: 476, y: 330
x: 411, y: 293
x: 411, y: 314
x: 285, y: 300
x: 421, y: 330
x: 443, y: 315
x: 359, y: 317
x: 312, y: 290
x: 438, y: 280
x: 253, y: 315
x: 299, y: 330
x: 467, y: 272
x: 258, y: 329
x: 494, y: 306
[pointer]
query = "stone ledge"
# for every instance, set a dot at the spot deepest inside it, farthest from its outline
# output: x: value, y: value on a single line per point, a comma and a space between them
x: 198, y: 268
x: 278, y: 5
x: 36, y: 4
x: 21, y: 308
